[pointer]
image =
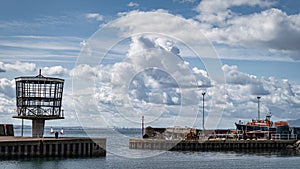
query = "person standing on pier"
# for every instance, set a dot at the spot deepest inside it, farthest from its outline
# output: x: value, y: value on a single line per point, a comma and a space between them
x: 56, y: 133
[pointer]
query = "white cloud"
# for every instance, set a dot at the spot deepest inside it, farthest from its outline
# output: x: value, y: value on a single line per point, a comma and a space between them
x: 233, y: 76
x: 218, y: 11
x: 137, y: 22
x: 7, y: 87
x: 54, y: 70
x: 7, y: 107
x: 41, y: 42
x: 249, y: 83
x: 269, y: 34
x: 84, y: 72
x: 271, y: 30
x: 96, y: 16
x: 1, y: 67
x: 202, y: 77
x: 278, y: 95
x: 18, y: 66
x: 185, y: 1
x: 133, y: 4
x: 103, y: 90
x: 39, y: 49
x: 150, y: 79
x: 154, y: 94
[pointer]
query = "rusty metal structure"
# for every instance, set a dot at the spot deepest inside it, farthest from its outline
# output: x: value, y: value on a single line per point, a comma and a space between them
x: 39, y: 98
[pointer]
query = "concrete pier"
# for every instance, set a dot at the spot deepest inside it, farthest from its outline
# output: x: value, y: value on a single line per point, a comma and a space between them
x: 20, y: 147
x: 196, y: 145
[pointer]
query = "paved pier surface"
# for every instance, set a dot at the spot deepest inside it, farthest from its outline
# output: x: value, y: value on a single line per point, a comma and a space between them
x: 11, y: 147
x: 196, y: 145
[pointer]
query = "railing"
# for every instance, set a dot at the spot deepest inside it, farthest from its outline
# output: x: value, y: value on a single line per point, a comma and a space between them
x: 284, y: 136
x: 55, y: 112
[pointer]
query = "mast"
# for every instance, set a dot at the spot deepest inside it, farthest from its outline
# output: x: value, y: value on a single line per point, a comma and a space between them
x: 258, y: 108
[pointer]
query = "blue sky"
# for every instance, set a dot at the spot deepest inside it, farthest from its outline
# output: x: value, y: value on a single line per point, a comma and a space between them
x: 256, y: 44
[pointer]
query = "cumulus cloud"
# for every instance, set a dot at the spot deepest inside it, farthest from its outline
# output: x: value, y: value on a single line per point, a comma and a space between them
x: 2, y: 70
x: 7, y: 107
x: 278, y: 95
x: 7, y: 100
x: 84, y: 71
x: 202, y: 77
x: 132, y: 4
x: 250, y: 83
x: 141, y: 43
x: 18, y: 66
x: 54, y: 70
x: 2, y: 67
x: 218, y: 11
x: 270, y: 29
x: 135, y: 22
x: 96, y: 16
x: 153, y: 79
x: 140, y: 82
x: 148, y: 81
x: 185, y: 1
x: 157, y: 94
x: 151, y: 55
x: 233, y: 76
x: 7, y: 87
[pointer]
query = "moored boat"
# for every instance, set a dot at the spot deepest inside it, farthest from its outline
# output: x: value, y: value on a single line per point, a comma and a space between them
x: 262, y: 128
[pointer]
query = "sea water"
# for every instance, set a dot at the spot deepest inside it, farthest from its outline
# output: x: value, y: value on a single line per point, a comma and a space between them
x: 120, y: 156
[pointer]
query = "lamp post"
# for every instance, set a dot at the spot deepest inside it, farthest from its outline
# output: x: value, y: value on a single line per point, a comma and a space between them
x: 258, y: 108
x: 142, y: 126
x: 203, y: 112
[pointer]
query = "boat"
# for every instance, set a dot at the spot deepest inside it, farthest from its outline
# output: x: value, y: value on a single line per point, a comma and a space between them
x: 262, y: 128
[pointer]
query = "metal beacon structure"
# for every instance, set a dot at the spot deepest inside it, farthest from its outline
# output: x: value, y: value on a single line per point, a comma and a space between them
x: 39, y: 98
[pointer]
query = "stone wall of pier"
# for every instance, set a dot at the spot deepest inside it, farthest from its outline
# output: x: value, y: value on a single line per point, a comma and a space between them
x: 14, y: 147
x: 197, y: 145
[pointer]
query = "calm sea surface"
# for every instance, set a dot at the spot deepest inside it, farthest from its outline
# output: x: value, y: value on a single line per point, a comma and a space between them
x: 119, y: 156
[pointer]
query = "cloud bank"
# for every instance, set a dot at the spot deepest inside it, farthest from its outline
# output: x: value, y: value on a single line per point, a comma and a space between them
x: 270, y: 29
x: 153, y: 79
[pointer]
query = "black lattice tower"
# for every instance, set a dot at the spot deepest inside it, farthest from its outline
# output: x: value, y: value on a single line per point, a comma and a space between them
x: 39, y: 98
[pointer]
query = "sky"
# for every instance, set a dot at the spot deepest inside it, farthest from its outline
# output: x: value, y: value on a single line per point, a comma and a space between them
x: 124, y: 59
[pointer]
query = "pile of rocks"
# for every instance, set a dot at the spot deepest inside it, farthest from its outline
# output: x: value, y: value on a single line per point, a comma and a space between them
x: 294, y: 146
x: 297, y: 145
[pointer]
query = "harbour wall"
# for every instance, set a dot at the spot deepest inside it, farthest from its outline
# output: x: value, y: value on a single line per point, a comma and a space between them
x: 198, y: 145
x: 20, y: 147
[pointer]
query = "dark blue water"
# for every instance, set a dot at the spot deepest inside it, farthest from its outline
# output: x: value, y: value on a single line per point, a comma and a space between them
x: 128, y: 159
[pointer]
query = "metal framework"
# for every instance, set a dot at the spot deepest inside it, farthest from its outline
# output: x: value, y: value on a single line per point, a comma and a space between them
x: 39, y: 97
